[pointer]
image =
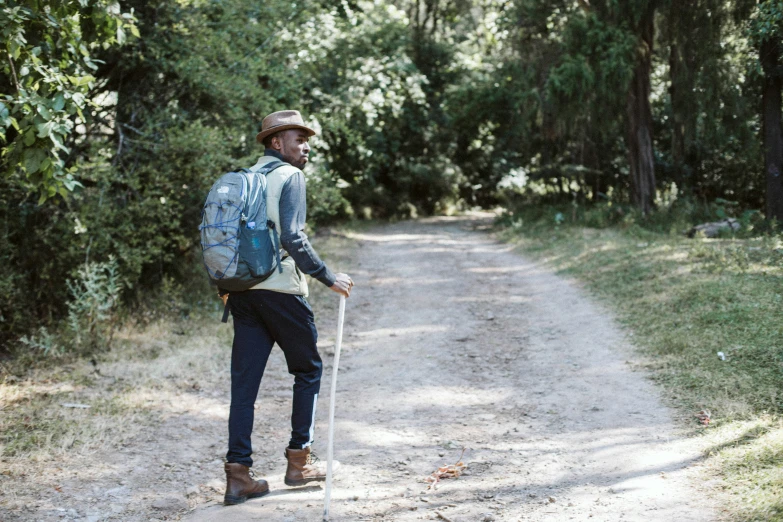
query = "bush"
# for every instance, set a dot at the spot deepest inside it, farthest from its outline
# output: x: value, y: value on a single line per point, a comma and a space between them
x: 674, y: 219
x: 92, y: 310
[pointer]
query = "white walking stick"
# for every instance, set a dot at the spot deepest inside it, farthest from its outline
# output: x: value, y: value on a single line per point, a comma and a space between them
x: 330, y: 447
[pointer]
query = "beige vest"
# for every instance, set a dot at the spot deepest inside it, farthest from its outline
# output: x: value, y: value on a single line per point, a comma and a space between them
x: 291, y: 280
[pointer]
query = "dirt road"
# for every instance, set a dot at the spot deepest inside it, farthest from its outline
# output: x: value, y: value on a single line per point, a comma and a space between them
x: 452, y: 341
x: 455, y: 341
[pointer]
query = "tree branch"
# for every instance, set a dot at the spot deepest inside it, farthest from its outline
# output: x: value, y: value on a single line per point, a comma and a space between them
x: 134, y: 129
x: 13, y: 72
x: 119, y: 146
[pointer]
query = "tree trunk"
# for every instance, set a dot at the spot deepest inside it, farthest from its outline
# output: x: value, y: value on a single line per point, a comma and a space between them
x: 678, y: 126
x: 773, y: 139
x: 639, y: 121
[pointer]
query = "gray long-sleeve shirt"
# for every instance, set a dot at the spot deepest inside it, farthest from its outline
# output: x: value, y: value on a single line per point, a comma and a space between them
x: 293, y: 215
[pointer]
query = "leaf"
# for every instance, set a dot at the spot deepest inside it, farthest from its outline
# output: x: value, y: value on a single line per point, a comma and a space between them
x: 448, y: 471
x: 29, y: 138
x: 44, y: 129
x: 120, y: 35
x: 71, y: 183
x: 16, y: 50
x: 113, y: 8
x: 33, y: 158
x: 134, y: 31
x: 5, y: 115
x: 57, y: 142
x: 81, y: 81
x: 59, y: 102
x: 44, y: 111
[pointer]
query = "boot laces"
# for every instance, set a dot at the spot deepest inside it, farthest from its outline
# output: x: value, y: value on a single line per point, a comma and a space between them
x: 312, y: 458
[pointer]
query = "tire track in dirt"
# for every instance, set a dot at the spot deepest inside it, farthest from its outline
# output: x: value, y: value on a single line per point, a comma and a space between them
x: 452, y: 341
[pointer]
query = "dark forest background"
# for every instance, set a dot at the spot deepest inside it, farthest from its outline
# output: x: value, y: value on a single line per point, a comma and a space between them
x: 116, y: 117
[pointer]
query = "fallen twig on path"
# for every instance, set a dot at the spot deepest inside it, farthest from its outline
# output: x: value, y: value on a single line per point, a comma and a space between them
x: 450, y: 471
x: 444, y: 517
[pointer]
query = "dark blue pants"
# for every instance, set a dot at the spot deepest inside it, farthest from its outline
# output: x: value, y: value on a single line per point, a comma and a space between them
x: 261, y: 319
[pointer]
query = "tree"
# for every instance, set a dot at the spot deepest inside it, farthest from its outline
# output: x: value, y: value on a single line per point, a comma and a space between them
x: 596, y: 62
x: 640, y: 17
x: 637, y: 20
x: 766, y: 31
x: 706, y: 124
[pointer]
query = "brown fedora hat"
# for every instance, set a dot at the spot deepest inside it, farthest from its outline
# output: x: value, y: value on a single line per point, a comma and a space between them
x: 280, y: 121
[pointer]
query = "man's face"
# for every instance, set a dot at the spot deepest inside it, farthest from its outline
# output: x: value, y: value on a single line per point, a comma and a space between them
x: 292, y: 145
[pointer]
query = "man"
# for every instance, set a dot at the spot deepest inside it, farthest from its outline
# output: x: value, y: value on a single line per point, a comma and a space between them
x: 276, y: 311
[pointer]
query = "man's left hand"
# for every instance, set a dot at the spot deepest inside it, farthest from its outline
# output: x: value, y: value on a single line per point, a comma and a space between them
x: 342, y: 285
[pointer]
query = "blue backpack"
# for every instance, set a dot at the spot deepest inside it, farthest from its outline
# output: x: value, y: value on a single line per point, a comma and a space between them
x: 239, y: 245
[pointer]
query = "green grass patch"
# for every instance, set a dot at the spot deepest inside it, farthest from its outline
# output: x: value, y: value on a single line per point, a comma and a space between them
x: 684, y: 300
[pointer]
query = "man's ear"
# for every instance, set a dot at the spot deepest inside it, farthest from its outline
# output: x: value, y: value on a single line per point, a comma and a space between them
x: 276, y: 143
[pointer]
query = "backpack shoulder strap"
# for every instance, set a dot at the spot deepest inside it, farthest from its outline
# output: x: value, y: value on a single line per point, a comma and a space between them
x: 246, y: 186
x: 269, y: 167
x: 254, y: 185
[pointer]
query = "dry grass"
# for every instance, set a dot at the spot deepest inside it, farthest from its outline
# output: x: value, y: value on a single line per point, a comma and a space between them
x: 139, y: 382
x: 129, y: 388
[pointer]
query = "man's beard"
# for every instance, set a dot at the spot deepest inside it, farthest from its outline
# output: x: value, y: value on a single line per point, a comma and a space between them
x: 296, y: 163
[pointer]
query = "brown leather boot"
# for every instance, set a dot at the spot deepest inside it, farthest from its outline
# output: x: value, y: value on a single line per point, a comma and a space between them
x: 304, y: 467
x: 240, y: 485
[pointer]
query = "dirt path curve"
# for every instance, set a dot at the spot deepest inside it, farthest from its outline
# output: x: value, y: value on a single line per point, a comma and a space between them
x: 455, y: 341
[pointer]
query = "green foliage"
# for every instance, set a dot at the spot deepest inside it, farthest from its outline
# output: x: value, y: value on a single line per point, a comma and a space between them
x: 374, y: 105
x: 94, y: 298
x: 132, y: 108
x: 92, y: 309
x: 46, y: 83
x: 42, y: 344
x: 554, y: 109
x: 766, y: 22
x: 596, y: 64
